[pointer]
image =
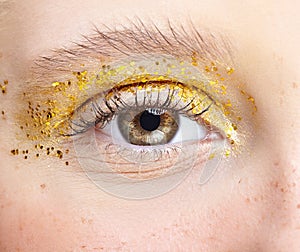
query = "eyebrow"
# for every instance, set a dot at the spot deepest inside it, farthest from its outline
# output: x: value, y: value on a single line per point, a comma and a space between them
x: 138, y: 37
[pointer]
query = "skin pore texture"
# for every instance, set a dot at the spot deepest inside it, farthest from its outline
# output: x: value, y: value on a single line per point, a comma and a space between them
x: 252, y: 203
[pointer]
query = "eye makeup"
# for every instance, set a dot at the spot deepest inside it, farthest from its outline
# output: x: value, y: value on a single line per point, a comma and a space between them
x: 86, y: 88
x: 47, y: 121
x: 3, y: 87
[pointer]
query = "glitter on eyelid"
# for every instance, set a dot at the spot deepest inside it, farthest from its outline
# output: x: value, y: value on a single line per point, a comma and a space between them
x: 44, y: 120
x: 230, y: 70
x: 251, y: 100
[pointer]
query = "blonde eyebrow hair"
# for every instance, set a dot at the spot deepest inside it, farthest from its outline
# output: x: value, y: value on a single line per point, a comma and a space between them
x: 138, y: 37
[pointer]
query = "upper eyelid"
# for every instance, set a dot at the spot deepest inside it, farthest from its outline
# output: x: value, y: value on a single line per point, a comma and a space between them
x: 64, y: 64
x: 137, y: 38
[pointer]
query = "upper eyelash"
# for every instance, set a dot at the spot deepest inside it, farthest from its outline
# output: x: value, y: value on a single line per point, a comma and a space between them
x: 102, y: 117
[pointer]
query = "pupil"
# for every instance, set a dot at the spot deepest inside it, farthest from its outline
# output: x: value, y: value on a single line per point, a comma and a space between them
x: 149, y: 121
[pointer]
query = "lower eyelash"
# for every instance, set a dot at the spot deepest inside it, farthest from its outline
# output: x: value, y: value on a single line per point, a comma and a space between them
x: 147, y: 162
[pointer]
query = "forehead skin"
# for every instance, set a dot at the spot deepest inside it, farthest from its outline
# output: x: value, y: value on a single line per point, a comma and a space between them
x: 252, y: 206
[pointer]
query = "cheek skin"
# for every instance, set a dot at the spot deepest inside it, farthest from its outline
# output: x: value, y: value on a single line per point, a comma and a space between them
x: 278, y: 100
x: 247, y: 206
x: 61, y: 212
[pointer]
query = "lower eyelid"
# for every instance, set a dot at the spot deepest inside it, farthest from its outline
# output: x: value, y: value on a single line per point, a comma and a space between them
x: 147, y: 172
x: 145, y: 162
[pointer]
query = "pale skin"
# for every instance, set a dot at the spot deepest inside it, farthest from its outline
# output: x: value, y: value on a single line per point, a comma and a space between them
x: 252, y: 206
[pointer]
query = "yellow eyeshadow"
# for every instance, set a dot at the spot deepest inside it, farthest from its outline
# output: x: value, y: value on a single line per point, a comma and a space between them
x: 44, y: 119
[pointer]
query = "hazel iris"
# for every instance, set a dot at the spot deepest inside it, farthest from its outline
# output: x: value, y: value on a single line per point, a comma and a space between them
x: 147, y: 128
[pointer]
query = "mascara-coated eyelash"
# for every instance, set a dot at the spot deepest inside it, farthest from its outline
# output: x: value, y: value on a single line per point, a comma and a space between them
x: 166, y: 95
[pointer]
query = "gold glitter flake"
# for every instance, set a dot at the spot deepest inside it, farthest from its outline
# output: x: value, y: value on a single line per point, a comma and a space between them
x: 3, y: 87
x: 251, y: 100
x: 229, y: 70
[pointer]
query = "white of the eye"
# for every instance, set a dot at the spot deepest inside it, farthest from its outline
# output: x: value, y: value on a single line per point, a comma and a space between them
x: 187, y: 130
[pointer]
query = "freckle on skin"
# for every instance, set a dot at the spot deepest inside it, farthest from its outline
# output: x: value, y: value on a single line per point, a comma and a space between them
x: 43, y: 186
x: 298, y: 206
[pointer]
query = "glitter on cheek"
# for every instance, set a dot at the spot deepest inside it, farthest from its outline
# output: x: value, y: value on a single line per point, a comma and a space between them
x: 3, y: 87
x: 45, y: 110
x: 3, y: 114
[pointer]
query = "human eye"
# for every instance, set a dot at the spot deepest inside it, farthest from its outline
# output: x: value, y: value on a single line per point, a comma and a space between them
x: 139, y: 122
x: 113, y: 144
x: 147, y: 109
